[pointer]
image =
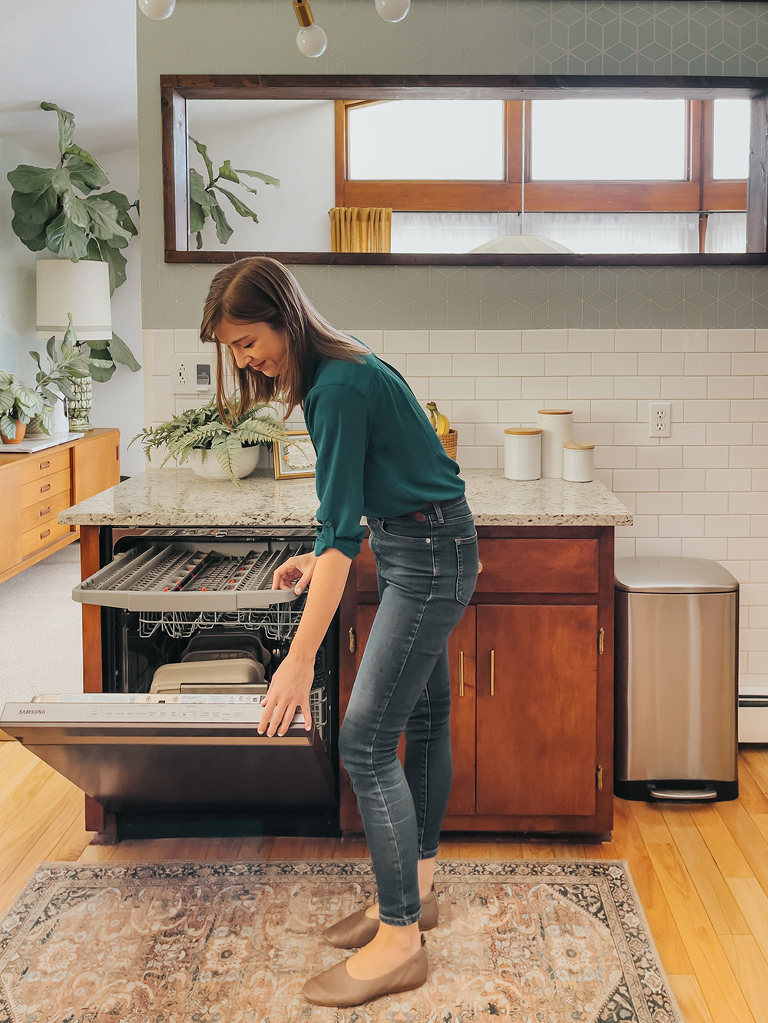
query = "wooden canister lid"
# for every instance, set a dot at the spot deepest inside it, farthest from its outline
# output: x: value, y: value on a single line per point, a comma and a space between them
x: 577, y: 446
x: 555, y: 412
x: 524, y: 431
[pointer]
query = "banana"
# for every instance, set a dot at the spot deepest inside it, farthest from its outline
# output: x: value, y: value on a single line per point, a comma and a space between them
x: 440, y: 422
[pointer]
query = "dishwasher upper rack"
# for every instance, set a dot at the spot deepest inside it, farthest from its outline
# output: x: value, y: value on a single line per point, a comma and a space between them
x: 192, y: 579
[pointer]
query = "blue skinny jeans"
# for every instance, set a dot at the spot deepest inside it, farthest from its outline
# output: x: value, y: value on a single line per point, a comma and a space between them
x: 427, y: 572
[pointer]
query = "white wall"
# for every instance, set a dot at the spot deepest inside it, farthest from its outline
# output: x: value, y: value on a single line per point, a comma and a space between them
x: 17, y: 276
x: 290, y: 140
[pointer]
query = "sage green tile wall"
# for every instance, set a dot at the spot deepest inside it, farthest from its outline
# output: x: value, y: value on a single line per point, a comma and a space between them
x: 460, y: 37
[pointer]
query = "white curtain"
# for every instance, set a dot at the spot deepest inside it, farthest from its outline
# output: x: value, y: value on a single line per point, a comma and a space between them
x: 726, y: 232
x: 579, y: 232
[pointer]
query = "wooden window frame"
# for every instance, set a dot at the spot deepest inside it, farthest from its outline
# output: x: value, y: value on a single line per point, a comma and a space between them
x: 176, y: 90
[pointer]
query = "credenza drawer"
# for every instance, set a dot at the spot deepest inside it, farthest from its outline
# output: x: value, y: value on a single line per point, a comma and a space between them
x: 39, y: 513
x: 33, y: 539
x: 44, y: 487
x: 44, y: 465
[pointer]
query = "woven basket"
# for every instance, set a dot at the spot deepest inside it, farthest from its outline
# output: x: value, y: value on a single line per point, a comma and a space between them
x: 449, y: 441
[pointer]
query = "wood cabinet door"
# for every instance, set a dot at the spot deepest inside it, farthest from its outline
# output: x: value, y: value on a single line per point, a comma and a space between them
x: 96, y: 464
x: 536, y: 709
x: 461, y: 655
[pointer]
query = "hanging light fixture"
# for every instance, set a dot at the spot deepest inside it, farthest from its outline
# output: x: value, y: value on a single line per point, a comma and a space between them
x: 392, y: 10
x: 310, y: 38
x: 157, y: 10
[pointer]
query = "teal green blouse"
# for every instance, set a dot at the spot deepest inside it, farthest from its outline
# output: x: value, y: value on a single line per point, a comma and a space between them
x: 377, y: 452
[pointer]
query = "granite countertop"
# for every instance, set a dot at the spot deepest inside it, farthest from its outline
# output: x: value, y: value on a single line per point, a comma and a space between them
x: 177, y: 497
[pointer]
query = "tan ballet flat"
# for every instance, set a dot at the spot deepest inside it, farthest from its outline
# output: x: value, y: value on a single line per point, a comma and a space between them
x: 357, y: 930
x: 335, y: 987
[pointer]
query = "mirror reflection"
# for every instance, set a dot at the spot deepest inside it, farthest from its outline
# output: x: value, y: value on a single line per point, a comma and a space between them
x: 582, y: 174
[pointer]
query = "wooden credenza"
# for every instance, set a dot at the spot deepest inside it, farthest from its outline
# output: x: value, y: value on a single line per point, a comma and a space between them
x: 531, y: 678
x: 36, y: 488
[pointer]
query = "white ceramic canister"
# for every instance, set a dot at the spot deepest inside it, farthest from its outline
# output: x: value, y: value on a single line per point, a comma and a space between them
x: 578, y: 462
x: 556, y: 427
x: 522, y: 453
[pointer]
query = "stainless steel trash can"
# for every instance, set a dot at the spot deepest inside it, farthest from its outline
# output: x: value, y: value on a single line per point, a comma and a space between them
x: 676, y: 696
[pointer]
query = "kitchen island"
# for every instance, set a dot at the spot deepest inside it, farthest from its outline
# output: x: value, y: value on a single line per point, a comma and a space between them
x: 531, y: 660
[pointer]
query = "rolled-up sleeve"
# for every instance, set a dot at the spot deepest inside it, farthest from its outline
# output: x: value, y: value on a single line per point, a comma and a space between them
x: 337, y: 419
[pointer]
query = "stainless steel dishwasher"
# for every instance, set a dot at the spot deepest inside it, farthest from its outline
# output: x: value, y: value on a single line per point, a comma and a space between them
x: 192, y: 762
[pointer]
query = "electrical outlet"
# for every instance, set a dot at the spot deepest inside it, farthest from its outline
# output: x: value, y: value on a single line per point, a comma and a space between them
x: 193, y: 374
x: 659, y: 418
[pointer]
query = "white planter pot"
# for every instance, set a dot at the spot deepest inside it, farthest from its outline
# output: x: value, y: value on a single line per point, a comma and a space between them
x: 204, y: 463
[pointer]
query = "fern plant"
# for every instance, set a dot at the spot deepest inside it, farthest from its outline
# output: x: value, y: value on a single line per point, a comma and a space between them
x: 204, y: 428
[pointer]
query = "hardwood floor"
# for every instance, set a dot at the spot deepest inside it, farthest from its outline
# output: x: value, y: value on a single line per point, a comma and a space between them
x: 701, y: 871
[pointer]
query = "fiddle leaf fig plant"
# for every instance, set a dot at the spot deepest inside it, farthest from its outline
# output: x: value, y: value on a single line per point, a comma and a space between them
x: 203, y: 201
x: 64, y: 209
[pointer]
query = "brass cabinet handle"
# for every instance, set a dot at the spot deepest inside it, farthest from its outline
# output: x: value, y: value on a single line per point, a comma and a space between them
x: 46, y: 487
x: 352, y: 641
x: 44, y: 465
x: 479, y: 567
x: 44, y: 511
x: 461, y: 672
x: 43, y: 535
x: 493, y: 671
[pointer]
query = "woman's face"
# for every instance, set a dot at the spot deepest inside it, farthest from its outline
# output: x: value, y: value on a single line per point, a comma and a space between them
x: 255, y: 346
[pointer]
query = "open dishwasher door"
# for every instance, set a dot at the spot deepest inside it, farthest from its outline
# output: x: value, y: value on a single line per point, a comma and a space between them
x: 151, y: 753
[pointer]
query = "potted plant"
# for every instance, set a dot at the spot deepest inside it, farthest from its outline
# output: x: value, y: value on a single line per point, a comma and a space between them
x: 19, y: 404
x: 68, y: 365
x: 215, y: 448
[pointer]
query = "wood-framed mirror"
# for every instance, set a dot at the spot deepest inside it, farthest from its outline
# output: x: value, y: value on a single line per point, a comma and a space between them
x: 468, y: 170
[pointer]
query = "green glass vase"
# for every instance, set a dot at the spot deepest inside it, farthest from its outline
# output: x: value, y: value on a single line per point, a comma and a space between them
x: 79, y: 407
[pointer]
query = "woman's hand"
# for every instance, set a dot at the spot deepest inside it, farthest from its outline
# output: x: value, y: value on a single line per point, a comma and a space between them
x: 288, y: 690
x: 294, y: 573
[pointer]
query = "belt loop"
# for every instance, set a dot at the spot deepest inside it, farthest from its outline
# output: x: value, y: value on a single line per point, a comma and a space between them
x: 438, y: 511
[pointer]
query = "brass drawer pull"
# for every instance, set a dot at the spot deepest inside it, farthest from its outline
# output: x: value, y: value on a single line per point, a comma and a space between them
x: 461, y: 673
x: 479, y: 567
x: 44, y: 488
x: 44, y: 465
x: 493, y: 671
x: 45, y: 511
x: 45, y: 533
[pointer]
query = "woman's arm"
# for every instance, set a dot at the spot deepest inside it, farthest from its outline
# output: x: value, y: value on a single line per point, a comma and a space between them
x: 292, y: 681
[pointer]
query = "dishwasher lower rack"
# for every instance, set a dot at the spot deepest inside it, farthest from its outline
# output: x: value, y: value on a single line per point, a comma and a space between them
x: 181, y: 586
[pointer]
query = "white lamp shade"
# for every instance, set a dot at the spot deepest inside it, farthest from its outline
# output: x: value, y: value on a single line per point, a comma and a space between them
x: 82, y: 289
x: 521, y: 243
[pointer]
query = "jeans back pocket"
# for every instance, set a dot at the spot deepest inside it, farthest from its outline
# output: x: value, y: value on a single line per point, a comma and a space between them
x: 468, y: 564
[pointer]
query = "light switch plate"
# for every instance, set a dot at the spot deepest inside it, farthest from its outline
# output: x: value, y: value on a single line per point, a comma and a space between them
x: 193, y: 373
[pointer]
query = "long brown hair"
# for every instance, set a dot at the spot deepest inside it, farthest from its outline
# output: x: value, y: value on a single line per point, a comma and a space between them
x: 260, y: 290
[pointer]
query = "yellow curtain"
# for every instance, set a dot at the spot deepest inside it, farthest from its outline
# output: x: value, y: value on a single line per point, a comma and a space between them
x: 360, y: 228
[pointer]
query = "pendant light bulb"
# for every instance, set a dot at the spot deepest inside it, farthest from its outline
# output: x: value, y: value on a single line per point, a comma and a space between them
x: 310, y: 39
x: 157, y: 10
x: 392, y: 10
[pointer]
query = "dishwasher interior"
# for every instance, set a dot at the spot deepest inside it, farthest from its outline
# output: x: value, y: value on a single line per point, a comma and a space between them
x: 192, y: 634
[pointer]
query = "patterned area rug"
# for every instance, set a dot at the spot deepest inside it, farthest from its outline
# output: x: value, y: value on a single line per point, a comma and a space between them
x: 530, y: 941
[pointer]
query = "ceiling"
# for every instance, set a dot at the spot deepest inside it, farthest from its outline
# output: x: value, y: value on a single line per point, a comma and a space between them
x: 80, y: 54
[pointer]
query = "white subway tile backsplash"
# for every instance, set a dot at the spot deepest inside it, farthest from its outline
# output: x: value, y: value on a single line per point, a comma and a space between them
x: 497, y: 387
x: 545, y: 340
x: 451, y: 341
x: 475, y: 365
x: 701, y: 492
x: 732, y: 340
x: 406, y: 342
x: 544, y: 388
x: 521, y: 365
x: 698, y: 502
x: 706, y: 457
x: 683, y: 387
x: 707, y: 364
x: 684, y: 340
x: 591, y: 340
x: 498, y: 341
x: 614, y: 364
x: 637, y: 340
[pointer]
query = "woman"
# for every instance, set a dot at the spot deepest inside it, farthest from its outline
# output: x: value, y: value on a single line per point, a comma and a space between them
x: 378, y: 456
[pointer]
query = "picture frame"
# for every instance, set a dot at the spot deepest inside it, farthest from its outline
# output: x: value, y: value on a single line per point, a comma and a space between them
x: 294, y: 457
